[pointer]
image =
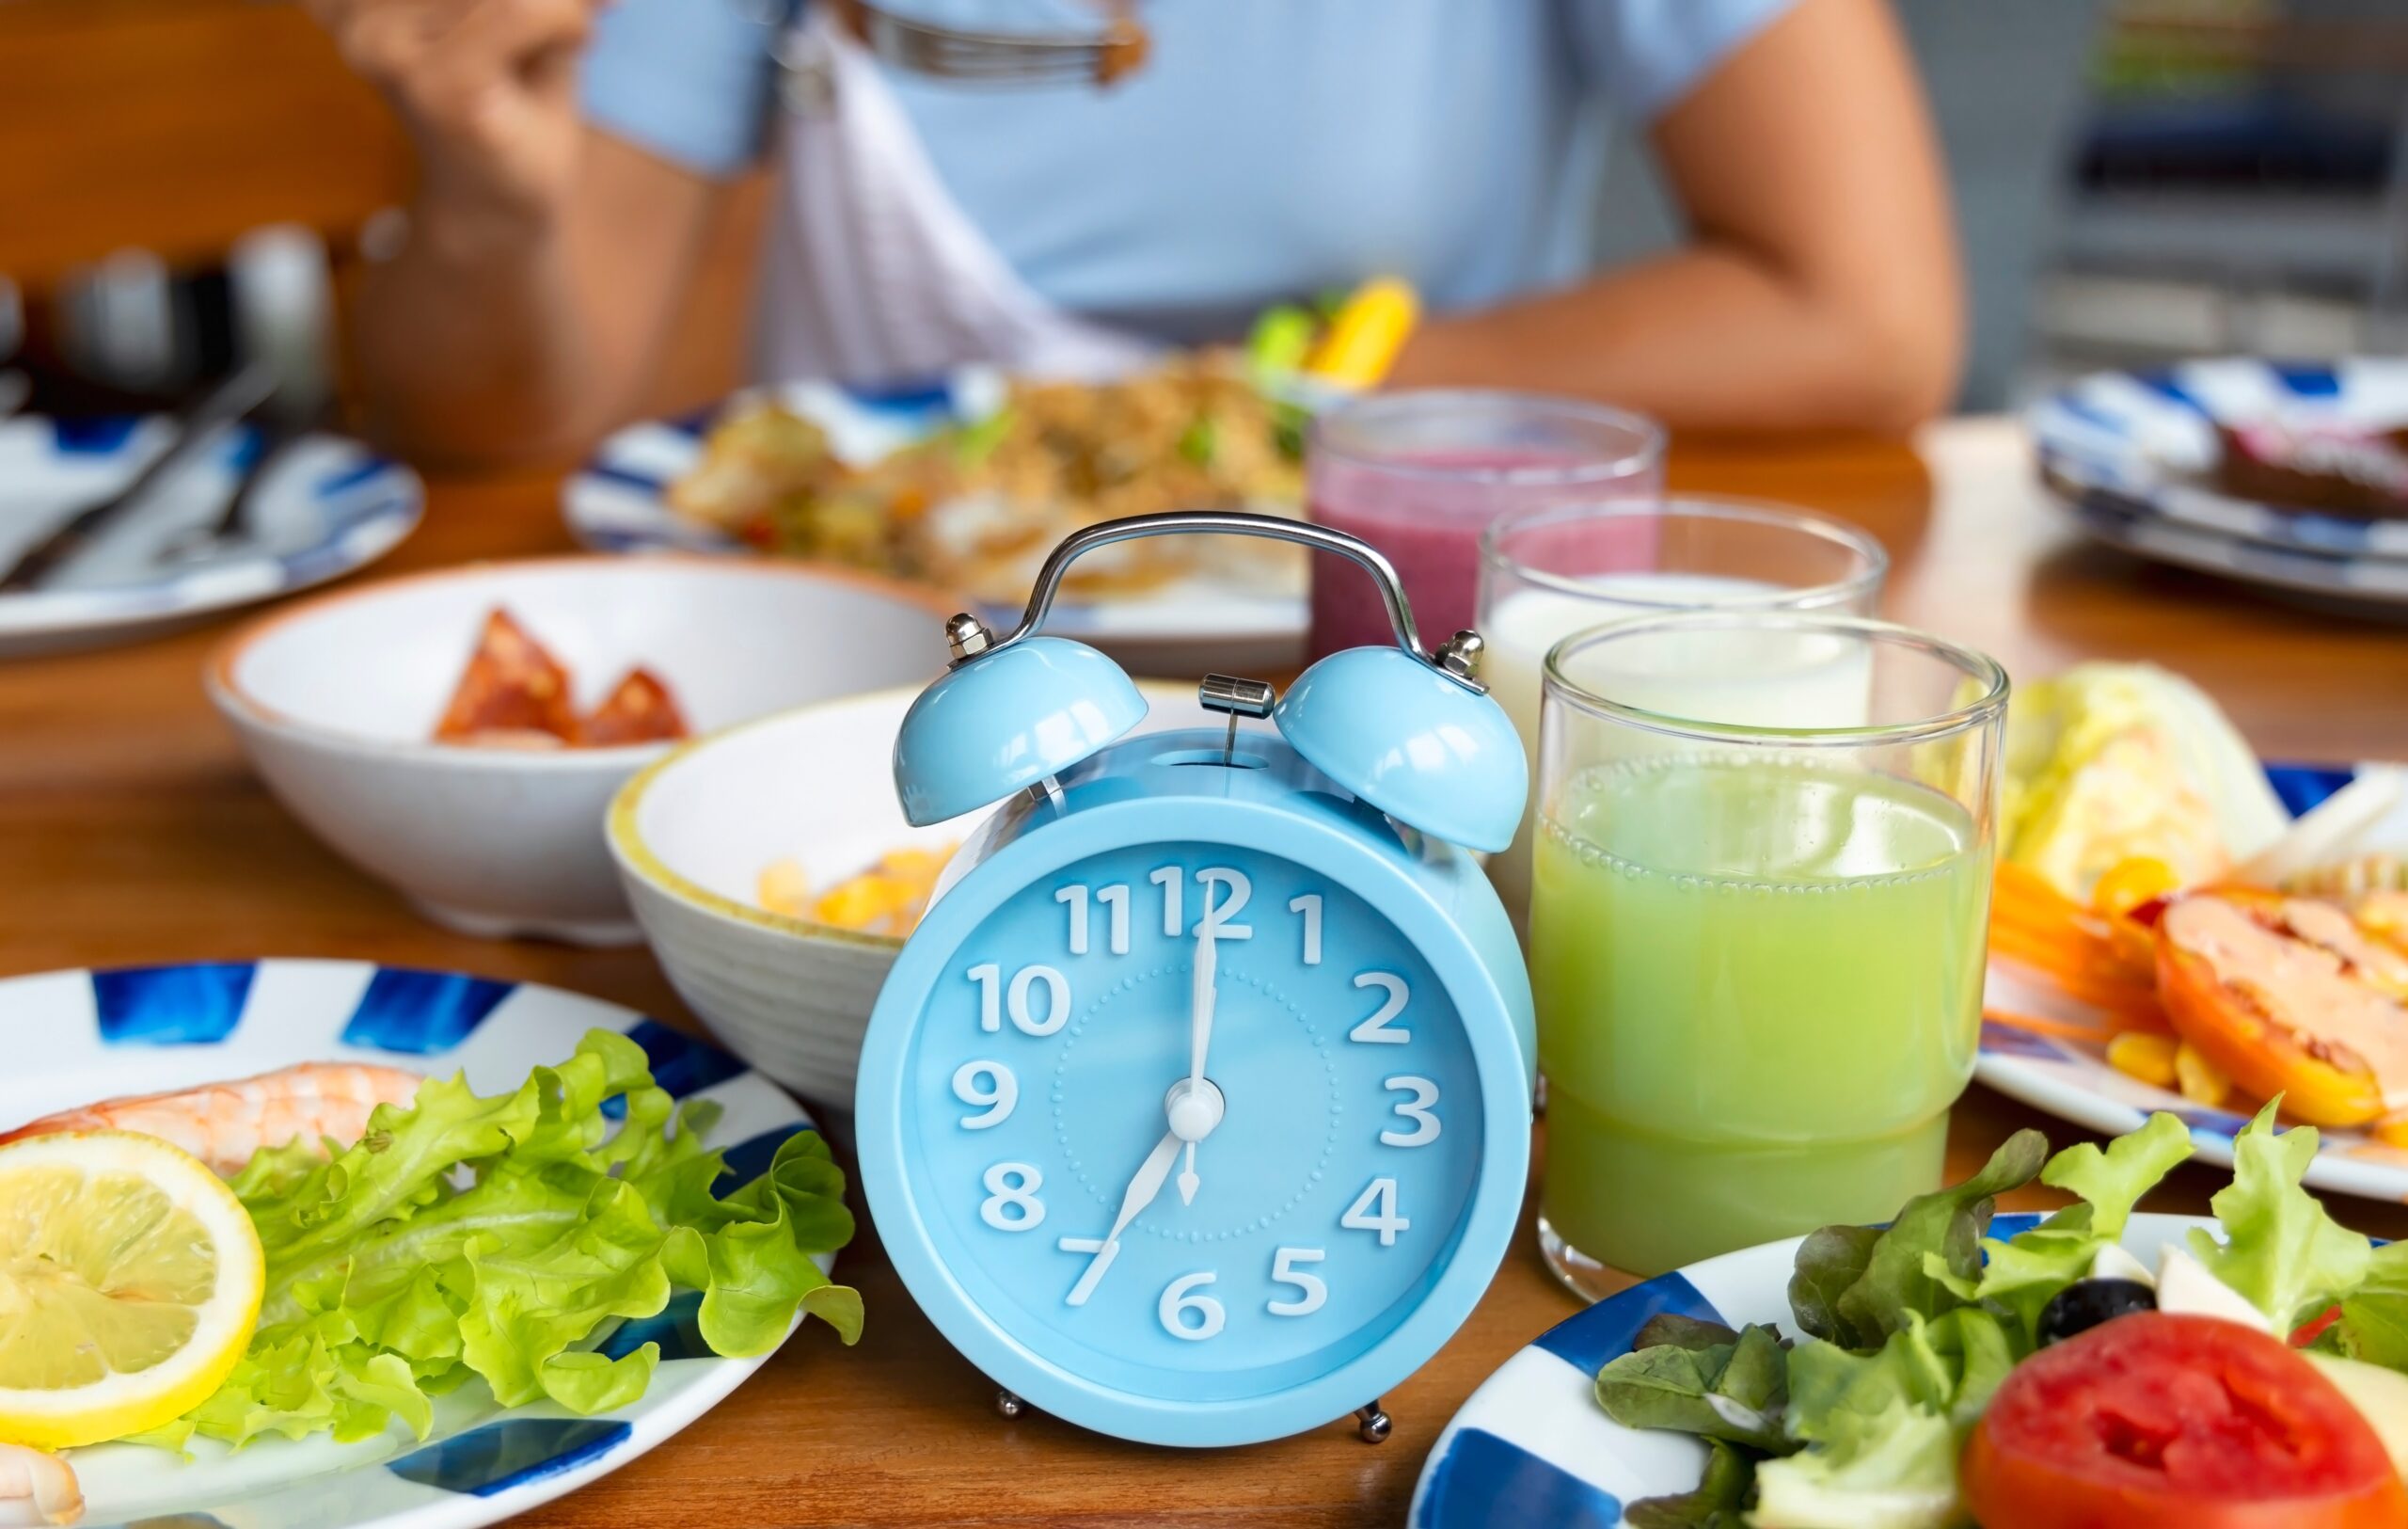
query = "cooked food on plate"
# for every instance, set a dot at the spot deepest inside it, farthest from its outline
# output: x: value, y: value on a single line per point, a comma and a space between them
x: 888, y: 899
x: 976, y: 506
x: 2321, y: 465
x: 2052, y: 1379
x: 514, y: 694
x: 381, y: 1240
x: 226, y: 1125
x: 2154, y: 903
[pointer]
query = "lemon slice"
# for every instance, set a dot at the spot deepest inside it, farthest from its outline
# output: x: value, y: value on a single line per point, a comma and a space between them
x: 130, y: 1280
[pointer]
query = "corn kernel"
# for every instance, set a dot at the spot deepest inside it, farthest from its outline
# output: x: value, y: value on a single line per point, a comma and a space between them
x: 2148, y: 1057
x: 782, y: 888
x: 2198, y: 1077
x: 918, y: 866
x: 2130, y: 882
x: 864, y: 902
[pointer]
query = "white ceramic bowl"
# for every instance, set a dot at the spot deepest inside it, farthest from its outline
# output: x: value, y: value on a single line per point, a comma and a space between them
x: 692, y: 831
x: 335, y: 699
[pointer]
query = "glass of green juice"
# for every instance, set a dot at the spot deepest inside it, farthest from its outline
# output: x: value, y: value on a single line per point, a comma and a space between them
x: 1757, y: 950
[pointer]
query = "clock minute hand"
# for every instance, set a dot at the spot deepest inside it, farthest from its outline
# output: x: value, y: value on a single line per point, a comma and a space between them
x: 1200, y: 1041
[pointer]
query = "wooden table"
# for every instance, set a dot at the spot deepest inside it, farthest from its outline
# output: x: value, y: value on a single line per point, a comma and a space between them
x: 132, y: 831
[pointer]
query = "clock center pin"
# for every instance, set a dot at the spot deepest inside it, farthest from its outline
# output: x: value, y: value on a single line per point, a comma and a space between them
x: 1195, y: 1108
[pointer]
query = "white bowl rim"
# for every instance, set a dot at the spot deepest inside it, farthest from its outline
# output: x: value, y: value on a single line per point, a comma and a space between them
x: 226, y: 692
x: 640, y: 862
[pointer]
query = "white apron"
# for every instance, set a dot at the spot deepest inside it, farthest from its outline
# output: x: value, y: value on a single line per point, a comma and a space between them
x: 874, y: 274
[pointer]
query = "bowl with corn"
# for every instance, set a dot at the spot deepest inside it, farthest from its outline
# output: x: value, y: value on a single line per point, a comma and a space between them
x: 772, y: 871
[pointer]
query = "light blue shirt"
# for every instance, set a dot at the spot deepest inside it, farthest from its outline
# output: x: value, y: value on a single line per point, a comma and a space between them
x: 1269, y: 149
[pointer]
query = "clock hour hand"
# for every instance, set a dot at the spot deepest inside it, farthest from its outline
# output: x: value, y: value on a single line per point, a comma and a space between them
x: 1199, y: 1043
x: 1141, y: 1193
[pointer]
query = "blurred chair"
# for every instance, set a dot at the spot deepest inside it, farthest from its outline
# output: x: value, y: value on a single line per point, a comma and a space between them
x: 157, y: 134
x: 2006, y: 87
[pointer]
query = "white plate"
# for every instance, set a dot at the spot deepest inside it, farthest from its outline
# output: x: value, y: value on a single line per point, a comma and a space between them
x: 1531, y: 1446
x: 616, y: 504
x: 2130, y: 452
x: 2073, y: 1082
x: 80, y: 1036
x: 323, y: 508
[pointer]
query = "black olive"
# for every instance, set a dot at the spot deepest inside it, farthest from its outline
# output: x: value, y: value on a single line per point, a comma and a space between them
x: 2085, y: 1303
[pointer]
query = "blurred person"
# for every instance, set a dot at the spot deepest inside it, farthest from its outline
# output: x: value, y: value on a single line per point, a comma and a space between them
x: 572, y: 151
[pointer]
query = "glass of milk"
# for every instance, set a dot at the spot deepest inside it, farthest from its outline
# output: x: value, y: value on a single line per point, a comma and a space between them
x: 1549, y: 573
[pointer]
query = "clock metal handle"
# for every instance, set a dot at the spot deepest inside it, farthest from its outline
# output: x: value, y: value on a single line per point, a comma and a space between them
x: 1457, y: 660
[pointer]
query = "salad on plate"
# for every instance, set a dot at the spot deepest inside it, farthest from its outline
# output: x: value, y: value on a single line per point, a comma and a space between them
x: 377, y: 1242
x: 1930, y: 1375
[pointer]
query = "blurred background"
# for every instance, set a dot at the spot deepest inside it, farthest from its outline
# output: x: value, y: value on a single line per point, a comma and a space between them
x: 185, y: 180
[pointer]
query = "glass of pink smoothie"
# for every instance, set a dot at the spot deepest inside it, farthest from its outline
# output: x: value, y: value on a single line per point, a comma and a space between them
x: 1419, y: 475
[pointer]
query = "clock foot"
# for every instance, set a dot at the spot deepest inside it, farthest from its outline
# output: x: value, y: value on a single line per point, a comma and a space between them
x: 1009, y: 1406
x: 1370, y: 1424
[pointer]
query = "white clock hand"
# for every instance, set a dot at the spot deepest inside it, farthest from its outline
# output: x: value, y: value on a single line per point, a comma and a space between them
x: 1141, y: 1193
x: 1200, y: 1041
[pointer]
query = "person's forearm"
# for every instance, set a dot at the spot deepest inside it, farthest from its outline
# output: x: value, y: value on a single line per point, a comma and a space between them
x: 1706, y: 339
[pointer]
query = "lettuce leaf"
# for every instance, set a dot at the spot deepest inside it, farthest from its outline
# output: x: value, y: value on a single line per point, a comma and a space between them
x: 1856, y: 1286
x: 2021, y: 1274
x: 500, y: 1238
x: 2280, y: 1249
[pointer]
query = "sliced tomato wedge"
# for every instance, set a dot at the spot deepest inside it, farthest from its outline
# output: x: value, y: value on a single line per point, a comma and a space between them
x: 640, y: 710
x: 511, y: 685
x: 2163, y: 1421
x: 2214, y: 996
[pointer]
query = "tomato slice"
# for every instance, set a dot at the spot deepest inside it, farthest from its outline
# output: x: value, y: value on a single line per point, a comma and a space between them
x: 641, y: 711
x: 511, y: 685
x: 2216, y: 1011
x: 2163, y: 1421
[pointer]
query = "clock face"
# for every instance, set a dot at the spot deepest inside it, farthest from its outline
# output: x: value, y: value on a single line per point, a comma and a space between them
x: 1164, y: 1237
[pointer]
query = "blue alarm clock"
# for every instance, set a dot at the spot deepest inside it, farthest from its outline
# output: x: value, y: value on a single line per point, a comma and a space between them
x: 1197, y: 1109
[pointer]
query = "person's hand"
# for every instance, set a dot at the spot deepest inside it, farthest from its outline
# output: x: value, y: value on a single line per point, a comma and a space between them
x: 487, y: 88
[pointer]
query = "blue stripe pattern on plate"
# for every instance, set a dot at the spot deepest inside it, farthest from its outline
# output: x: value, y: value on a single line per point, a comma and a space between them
x: 680, y: 1063
x: 195, y: 1005
x: 2006, y: 1040
x: 512, y: 1453
x: 1605, y: 1331
x: 2221, y: 1123
x: 750, y: 1158
x: 422, y: 1013
x: 678, y: 1330
x: 1484, y: 1479
x: 2304, y: 786
x: 94, y: 437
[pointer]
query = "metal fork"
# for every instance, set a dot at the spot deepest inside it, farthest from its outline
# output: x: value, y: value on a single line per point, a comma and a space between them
x: 1003, y: 59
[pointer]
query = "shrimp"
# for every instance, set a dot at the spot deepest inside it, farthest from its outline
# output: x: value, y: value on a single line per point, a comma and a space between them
x: 224, y: 1123
x: 37, y: 1487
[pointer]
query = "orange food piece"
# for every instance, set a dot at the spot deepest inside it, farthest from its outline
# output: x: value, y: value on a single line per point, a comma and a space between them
x: 641, y: 711
x: 511, y: 685
x: 2214, y: 991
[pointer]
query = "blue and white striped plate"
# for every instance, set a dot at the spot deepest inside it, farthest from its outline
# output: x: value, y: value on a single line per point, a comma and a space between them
x: 79, y: 1036
x: 322, y: 509
x: 1531, y: 1446
x: 2131, y: 452
x: 2073, y: 1082
x: 617, y: 503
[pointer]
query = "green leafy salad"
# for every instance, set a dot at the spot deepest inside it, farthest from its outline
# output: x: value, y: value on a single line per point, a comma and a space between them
x: 499, y: 1238
x: 1909, y: 1331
